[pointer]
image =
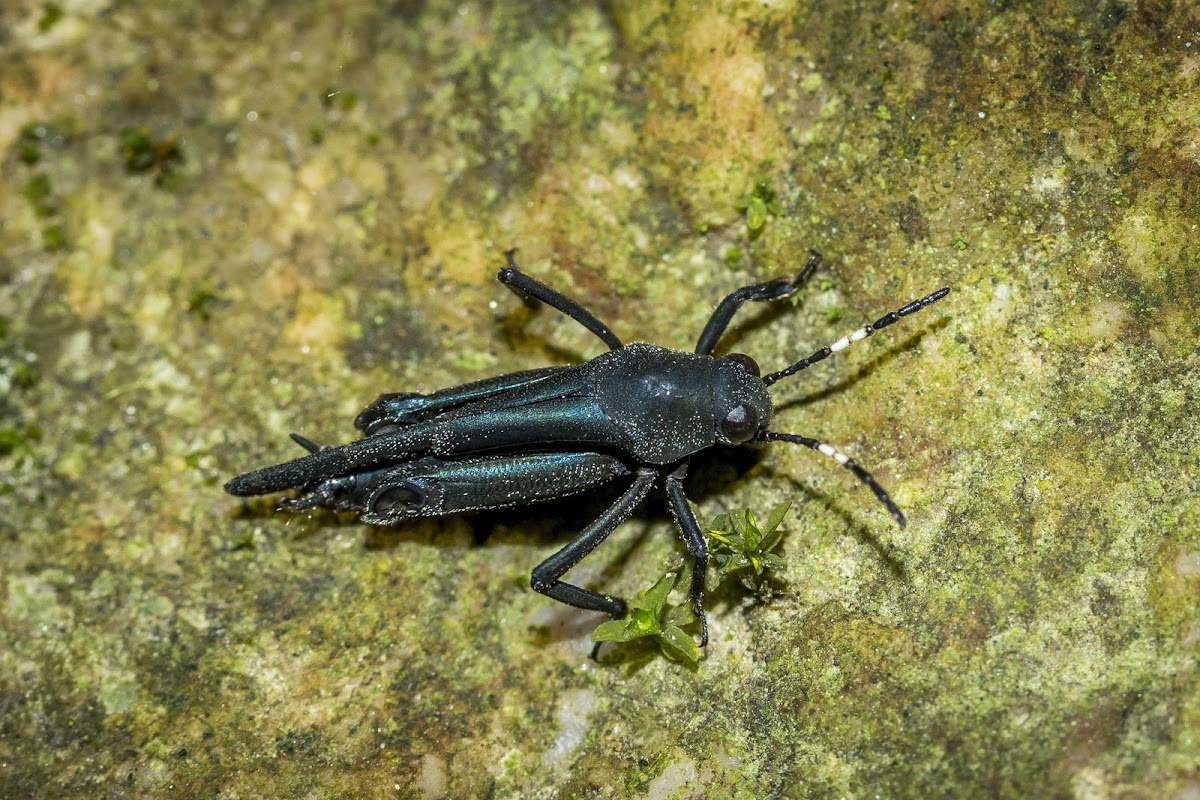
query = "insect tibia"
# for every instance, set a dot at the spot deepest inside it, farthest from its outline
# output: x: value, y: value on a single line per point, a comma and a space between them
x: 331, y: 462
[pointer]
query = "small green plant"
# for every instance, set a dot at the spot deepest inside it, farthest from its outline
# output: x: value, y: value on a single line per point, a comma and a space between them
x: 201, y: 303
x: 740, y: 547
x: 143, y: 152
x: 40, y: 195
x: 19, y: 441
x: 52, y: 14
x: 649, y: 615
x: 29, y: 149
x: 54, y: 238
x: 758, y: 204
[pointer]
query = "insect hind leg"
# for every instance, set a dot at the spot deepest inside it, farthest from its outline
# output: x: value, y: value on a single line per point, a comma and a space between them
x: 693, y: 539
x: 545, y: 576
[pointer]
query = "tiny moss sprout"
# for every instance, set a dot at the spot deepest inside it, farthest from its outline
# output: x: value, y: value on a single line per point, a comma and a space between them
x: 758, y: 204
x: 29, y: 149
x: 143, y: 152
x: 18, y: 441
x: 201, y: 302
x: 52, y: 14
x: 40, y: 195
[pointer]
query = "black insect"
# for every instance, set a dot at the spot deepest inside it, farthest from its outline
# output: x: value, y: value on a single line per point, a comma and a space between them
x: 637, y: 411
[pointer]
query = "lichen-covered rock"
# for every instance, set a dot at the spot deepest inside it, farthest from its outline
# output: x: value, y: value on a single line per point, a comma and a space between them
x: 222, y: 224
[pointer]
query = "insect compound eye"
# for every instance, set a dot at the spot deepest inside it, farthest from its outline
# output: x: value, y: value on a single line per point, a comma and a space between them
x: 745, y: 362
x: 740, y: 424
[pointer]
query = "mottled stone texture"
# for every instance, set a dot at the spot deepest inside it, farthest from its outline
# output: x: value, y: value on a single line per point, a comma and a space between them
x: 223, y: 222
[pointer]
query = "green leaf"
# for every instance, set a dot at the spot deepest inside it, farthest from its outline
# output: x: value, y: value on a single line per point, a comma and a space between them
x: 684, y: 584
x: 776, y: 516
x: 770, y: 540
x: 643, y: 620
x: 753, y: 534
x: 756, y: 214
x: 612, y: 631
x: 719, y: 536
x: 680, y: 616
x: 712, y: 580
x: 737, y: 561
x: 657, y: 595
x: 678, y: 644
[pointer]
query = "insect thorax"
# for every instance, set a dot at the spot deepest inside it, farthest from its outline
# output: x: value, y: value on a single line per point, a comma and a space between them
x: 667, y: 403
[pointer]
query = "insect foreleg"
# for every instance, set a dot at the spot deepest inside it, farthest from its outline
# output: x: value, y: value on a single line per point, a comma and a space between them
x: 512, y: 277
x: 545, y: 577
x: 693, y: 538
x: 759, y: 292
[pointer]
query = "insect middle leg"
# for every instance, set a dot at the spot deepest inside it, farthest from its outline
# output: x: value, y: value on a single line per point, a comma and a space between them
x: 545, y: 577
x: 693, y: 539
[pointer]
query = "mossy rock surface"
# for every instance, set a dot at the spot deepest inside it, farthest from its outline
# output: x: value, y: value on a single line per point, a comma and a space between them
x: 220, y: 225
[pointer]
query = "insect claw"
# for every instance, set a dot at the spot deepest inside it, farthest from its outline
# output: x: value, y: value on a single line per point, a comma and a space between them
x: 303, y: 503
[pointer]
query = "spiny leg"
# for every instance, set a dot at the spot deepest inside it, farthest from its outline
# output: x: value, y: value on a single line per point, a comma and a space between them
x: 693, y: 538
x: 845, y: 461
x: 305, y: 442
x: 858, y: 335
x: 396, y: 409
x: 759, y: 292
x: 545, y: 577
x: 512, y: 277
x: 326, y: 493
x: 361, y: 455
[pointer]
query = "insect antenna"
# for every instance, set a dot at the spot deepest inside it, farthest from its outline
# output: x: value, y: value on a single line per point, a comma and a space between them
x: 858, y: 335
x: 843, y: 459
